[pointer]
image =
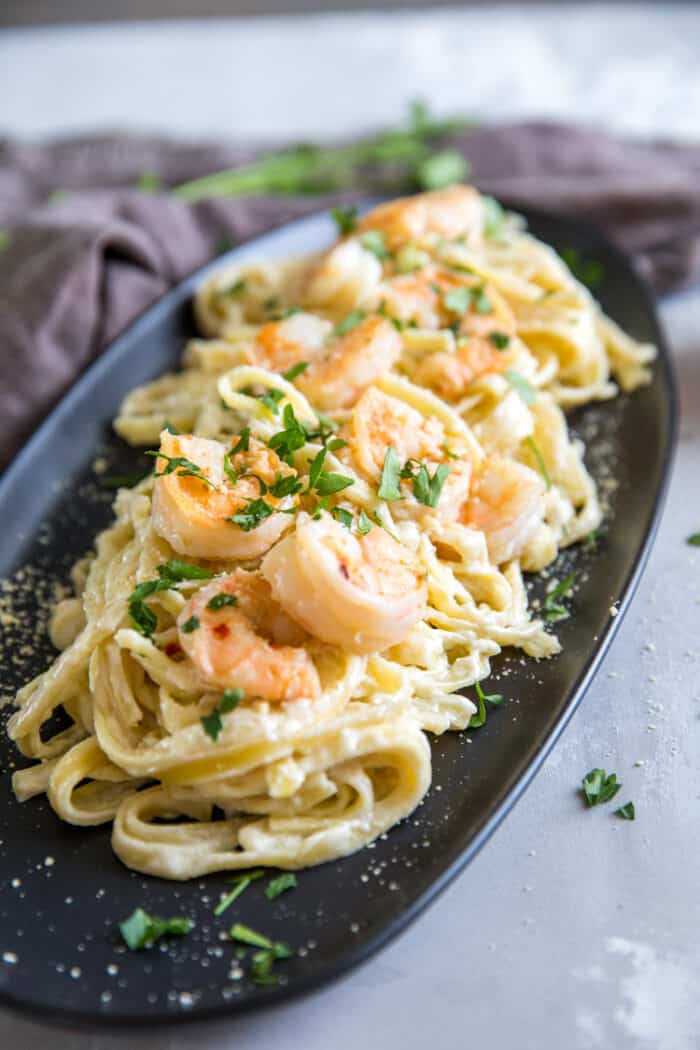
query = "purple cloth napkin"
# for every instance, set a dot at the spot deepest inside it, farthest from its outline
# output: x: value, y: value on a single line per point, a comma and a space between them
x: 78, y: 268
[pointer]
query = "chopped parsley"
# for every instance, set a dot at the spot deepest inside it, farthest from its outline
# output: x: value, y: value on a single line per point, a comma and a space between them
x: 409, y: 259
x: 289, y: 440
x: 285, y: 485
x: 427, y: 490
x: 626, y: 812
x: 521, y: 386
x: 240, y: 883
x: 389, y: 485
x: 345, y: 219
x: 373, y: 241
x: 599, y: 788
x: 243, y: 443
x: 280, y: 884
x: 552, y: 609
x: 191, y: 625
x: 539, y: 459
x: 457, y: 300
x: 236, y: 288
x: 296, y: 370
x: 442, y: 169
x: 141, y: 930
x: 149, y: 182
x: 588, y: 271
x: 170, y: 427
x: 171, y: 572
x: 212, y: 724
x: 343, y: 516
x: 494, y: 215
x: 352, y: 320
x: 183, y: 468
x: 254, y: 514
x: 499, y: 339
x: 269, y: 953
x: 364, y: 524
x: 326, y: 482
x: 220, y: 601
x: 478, y: 720
x: 694, y: 539
x: 271, y: 400
x: 482, y: 303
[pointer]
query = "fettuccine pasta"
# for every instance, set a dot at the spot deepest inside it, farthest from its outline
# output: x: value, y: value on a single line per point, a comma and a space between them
x: 363, y: 454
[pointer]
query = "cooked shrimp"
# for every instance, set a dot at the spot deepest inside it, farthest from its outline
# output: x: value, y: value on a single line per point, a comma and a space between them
x: 344, y: 278
x: 364, y: 593
x: 248, y: 643
x: 379, y: 421
x: 193, y: 515
x: 506, y: 505
x: 450, y: 214
x: 340, y: 366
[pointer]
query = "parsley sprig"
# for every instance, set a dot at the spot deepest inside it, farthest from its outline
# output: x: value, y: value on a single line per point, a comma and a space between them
x: 212, y: 724
x: 599, y: 788
x: 553, y: 610
x: 479, y: 719
x: 182, y: 467
x: 141, y: 930
x: 264, y: 959
x: 426, y: 488
x: 280, y: 884
x: 169, y: 574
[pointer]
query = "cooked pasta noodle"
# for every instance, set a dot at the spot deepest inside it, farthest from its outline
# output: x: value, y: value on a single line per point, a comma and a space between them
x: 291, y: 600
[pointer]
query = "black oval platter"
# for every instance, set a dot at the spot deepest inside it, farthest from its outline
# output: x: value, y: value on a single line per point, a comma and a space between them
x: 62, y: 892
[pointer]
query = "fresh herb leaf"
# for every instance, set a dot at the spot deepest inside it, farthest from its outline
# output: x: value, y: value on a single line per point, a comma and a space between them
x: 245, y: 935
x: 296, y: 370
x: 212, y: 723
x: 352, y: 320
x: 458, y: 300
x: 626, y: 812
x: 149, y: 182
x: 694, y: 539
x: 285, y: 485
x: 240, y: 883
x: 176, y: 570
x: 141, y: 930
x: 494, y: 215
x: 499, y: 339
x: 263, y: 960
x: 170, y: 427
x: 345, y: 219
x: 255, y: 513
x: 281, y: 884
x: 373, y: 241
x: 448, y: 452
x: 291, y: 438
x: 482, y: 303
x: 243, y: 443
x: 336, y: 443
x: 316, y: 467
x: 191, y: 625
x: 364, y: 524
x: 599, y: 788
x: 271, y: 400
x: 220, y: 601
x: 442, y: 169
x: 478, y: 720
x: 552, y: 609
x: 343, y: 516
x: 521, y: 386
x: 389, y: 487
x: 183, y: 468
x: 410, y: 258
x: 588, y: 271
x: 329, y: 483
x: 230, y: 290
x: 539, y: 459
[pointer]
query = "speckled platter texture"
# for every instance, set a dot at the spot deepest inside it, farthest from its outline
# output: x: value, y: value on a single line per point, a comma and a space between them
x: 62, y: 891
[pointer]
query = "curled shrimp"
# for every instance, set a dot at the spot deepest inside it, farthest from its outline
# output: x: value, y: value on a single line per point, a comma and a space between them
x: 506, y: 504
x: 379, y: 421
x: 363, y: 593
x: 344, y: 278
x: 339, y: 366
x: 451, y: 213
x: 192, y: 511
x: 238, y: 637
